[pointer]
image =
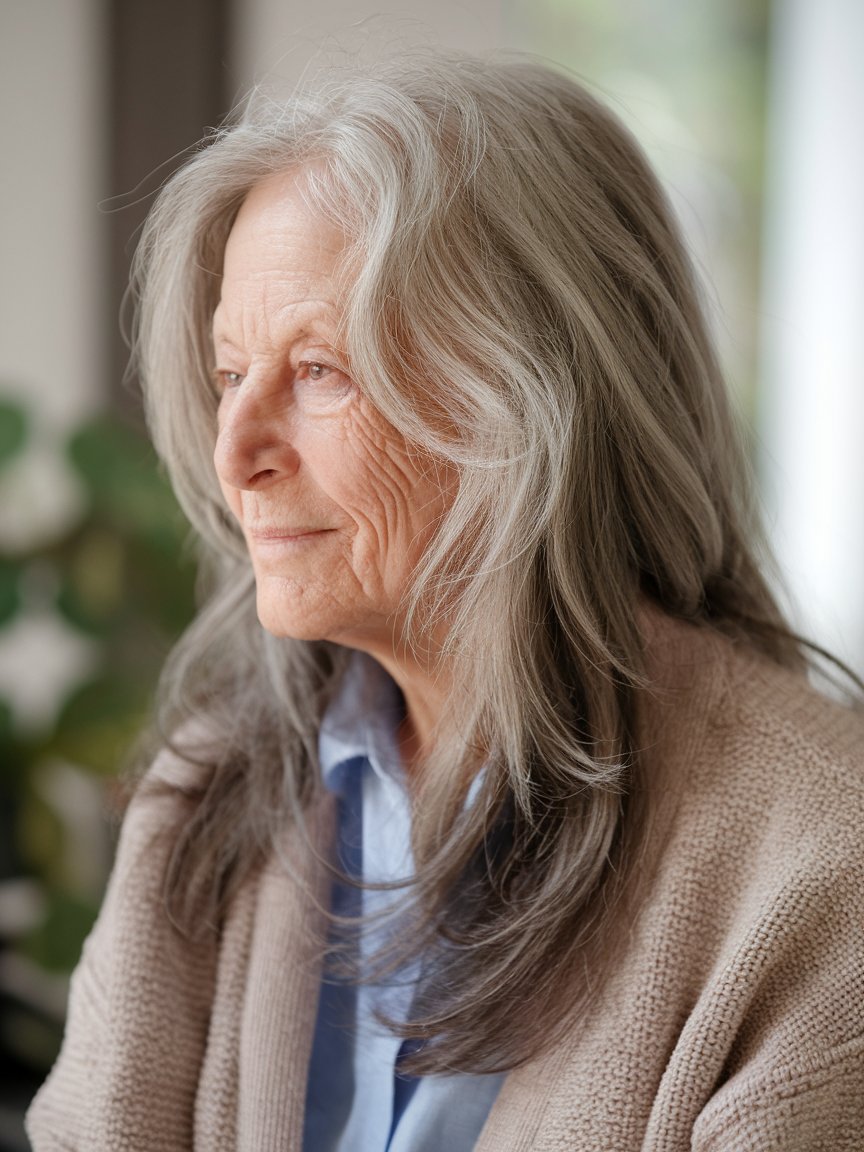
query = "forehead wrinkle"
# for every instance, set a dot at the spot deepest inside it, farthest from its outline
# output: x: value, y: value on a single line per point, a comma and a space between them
x: 281, y: 256
x: 247, y: 324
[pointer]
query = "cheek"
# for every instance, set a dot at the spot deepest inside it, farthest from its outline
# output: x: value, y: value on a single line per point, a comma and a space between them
x: 378, y: 488
x: 398, y: 506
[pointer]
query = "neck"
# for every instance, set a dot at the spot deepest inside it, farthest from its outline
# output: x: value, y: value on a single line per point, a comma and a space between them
x: 425, y: 692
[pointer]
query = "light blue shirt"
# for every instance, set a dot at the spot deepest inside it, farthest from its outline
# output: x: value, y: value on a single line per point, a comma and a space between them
x: 355, y: 1100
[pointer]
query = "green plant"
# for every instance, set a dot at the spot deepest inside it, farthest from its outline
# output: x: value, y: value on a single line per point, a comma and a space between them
x: 119, y: 579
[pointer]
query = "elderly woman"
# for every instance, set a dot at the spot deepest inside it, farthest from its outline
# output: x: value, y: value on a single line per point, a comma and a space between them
x: 496, y: 811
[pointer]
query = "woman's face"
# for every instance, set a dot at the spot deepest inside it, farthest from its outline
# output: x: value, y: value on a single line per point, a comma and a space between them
x: 335, y: 507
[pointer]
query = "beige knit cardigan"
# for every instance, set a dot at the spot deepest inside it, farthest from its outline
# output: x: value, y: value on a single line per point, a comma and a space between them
x: 733, y: 1014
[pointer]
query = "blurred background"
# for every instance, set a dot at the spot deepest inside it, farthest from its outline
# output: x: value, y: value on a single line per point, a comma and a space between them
x: 750, y: 111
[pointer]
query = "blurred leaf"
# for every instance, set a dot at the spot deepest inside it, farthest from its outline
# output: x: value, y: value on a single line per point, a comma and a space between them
x: 98, y: 723
x: 13, y: 430
x: 92, y: 593
x: 120, y: 574
x: 5, y: 724
x: 10, y: 597
x: 56, y: 944
x: 32, y: 1039
x: 40, y: 836
x: 120, y: 470
x: 163, y: 587
x: 110, y: 583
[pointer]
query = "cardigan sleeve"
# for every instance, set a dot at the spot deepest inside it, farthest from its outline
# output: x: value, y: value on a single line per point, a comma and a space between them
x: 136, y: 1031
x: 821, y: 1107
x: 796, y: 1068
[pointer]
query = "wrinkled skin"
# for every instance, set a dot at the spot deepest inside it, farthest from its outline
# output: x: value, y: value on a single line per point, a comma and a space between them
x: 335, y: 507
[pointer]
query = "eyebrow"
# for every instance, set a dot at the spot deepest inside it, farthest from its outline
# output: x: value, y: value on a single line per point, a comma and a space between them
x: 321, y: 326
x: 220, y: 336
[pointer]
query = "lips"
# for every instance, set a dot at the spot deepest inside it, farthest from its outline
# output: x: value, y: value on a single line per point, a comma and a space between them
x: 270, y: 534
x: 280, y: 533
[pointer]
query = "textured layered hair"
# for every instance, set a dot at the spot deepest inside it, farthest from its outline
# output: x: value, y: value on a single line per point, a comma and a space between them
x: 519, y: 306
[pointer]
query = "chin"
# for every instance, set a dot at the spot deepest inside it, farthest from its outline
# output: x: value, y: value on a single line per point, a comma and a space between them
x: 290, y: 613
x: 298, y: 621
x: 286, y: 627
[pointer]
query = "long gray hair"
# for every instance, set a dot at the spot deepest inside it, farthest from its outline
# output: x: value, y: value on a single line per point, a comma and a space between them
x: 520, y: 307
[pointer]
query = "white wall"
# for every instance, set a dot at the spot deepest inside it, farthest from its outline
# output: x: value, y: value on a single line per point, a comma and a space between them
x: 813, y: 317
x: 52, y: 299
x: 52, y: 310
x: 274, y: 40
x: 52, y: 111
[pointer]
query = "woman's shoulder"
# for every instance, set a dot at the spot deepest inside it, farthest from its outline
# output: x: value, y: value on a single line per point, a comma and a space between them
x: 750, y: 725
x: 139, y: 994
x: 758, y: 889
x: 795, y: 748
x: 786, y: 785
x: 173, y: 782
x: 757, y: 782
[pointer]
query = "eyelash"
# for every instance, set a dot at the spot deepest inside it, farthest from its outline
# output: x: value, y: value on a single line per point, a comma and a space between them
x: 310, y: 364
x: 229, y: 379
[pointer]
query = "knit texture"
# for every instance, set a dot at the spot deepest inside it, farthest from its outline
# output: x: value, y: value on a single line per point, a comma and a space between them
x: 731, y: 1019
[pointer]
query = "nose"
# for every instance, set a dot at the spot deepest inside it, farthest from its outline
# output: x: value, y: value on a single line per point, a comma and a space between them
x: 254, y: 447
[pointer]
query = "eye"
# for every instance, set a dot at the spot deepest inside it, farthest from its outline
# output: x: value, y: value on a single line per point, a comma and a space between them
x: 321, y: 383
x: 315, y: 370
x: 225, y: 379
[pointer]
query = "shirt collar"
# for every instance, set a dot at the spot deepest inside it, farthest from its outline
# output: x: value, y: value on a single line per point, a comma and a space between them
x: 362, y: 720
